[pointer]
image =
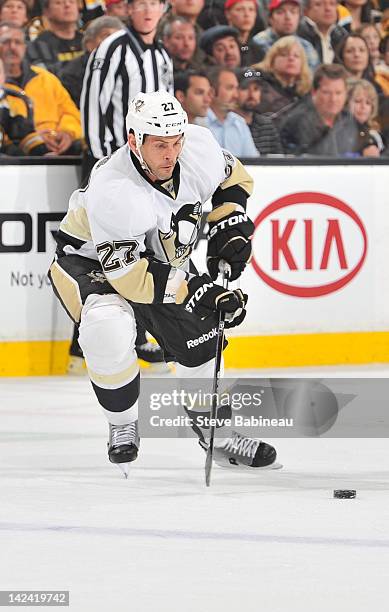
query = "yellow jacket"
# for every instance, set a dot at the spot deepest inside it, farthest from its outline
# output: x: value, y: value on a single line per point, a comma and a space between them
x: 53, y: 107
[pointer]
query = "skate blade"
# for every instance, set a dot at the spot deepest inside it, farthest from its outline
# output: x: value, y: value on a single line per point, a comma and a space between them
x: 124, y: 469
x: 249, y: 468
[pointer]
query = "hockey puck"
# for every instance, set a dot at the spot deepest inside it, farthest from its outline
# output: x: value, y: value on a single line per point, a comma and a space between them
x: 345, y: 493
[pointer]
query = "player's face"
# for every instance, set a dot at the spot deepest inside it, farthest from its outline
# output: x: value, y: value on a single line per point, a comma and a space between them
x: 14, y: 11
x: 63, y: 11
x: 161, y: 153
x: 182, y: 41
x: 330, y: 97
x: 285, y: 19
x: 226, y: 52
x: 145, y: 15
x: 242, y: 15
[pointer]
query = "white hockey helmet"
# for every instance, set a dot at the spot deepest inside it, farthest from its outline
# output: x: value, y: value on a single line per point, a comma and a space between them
x: 157, y: 114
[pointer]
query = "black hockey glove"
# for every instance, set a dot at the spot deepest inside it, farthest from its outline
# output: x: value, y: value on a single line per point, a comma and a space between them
x: 229, y: 239
x: 205, y: 297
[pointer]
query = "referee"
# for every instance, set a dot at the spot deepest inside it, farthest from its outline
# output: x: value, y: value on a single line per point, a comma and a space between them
x: 127, y: 62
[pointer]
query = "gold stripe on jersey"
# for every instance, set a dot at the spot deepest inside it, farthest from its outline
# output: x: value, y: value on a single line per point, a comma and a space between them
x: 119, y: 379
x: 68, y: 291
x: 76, y: 224
x: 182, y: 292
x: 137, y: 285
x: 239, y: 177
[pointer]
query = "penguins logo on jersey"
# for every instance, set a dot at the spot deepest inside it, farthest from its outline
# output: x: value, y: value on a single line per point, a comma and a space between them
x: 184, y: 228
x: 229, y: 161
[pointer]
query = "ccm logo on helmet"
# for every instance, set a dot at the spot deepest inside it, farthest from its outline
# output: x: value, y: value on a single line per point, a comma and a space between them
x: 197, y: 296
x: 227, y: 222
x: 201, y: 339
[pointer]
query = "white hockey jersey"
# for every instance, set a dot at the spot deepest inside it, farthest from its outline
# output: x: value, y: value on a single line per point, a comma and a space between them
x: 142, y: 232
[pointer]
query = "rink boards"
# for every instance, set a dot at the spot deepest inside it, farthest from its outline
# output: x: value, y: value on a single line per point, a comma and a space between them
x: 318, y: 282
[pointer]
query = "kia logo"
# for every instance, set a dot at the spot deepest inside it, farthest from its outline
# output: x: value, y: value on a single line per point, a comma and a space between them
x: 314, y: 247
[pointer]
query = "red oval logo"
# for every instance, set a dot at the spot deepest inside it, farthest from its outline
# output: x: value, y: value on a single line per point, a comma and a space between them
x: 310, y: 245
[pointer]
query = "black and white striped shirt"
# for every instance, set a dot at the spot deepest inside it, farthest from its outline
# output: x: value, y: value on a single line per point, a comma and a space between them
x: 121, y: 67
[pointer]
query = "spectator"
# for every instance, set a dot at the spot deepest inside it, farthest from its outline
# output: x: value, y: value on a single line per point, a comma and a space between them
x: 319, y: 125
x: 72, y: 73
x: 193, y: 90
x: 213, y: 14
x: 382, y: 69
x: 355, y: 13
x: 56, y: 117
x: 179, y: 38
x: 221, y: 45
x: 265, y: 135
x: 371, y: 34
x: 363, y: 105
x: 123, y: 65
x: 353, y: 53
x: 190, y: 9
x: 229, y: 129
x: 14, y: 11
x: 284, y: 19
x: 117, y: 8
x: 61, y: 42
x: 319, y: 26
x: 242, y: 15
x: 285, y: 77
x: 17, y: 133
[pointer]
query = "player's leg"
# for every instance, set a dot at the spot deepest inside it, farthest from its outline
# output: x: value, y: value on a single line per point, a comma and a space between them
x: 192, y: 342
x: 107, y: 337
x: 107, y: 332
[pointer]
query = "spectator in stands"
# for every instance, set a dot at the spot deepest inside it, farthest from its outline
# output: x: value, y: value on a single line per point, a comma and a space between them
x: 117, y: 8
x: 179, y: 39
x: 193, y: 90
x: 363, y: 105
x: 221, y: 45
x: 371, y: 34
x: 284, y: 19
x: 353, y: 53
x: 319, y: 26
x: 229, y: 129
x: 285, y: 77
x: 14, y: 11
x: 190, y: 9
x: 62, y: 41
x: 72, y: 73
x: 353, y: 13
x: 319, y: 125
x: 17, y: 133
x: 242, y: 15
x: 56, y: 117
x: 265, y: 134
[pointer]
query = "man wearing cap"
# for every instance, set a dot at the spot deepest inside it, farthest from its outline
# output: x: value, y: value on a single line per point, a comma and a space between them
x: 242, y: 15
x: 229, y: 129
x: 263, y: 131
x: 117, y: 8
x: 284, y: 19
x: 221, y: 45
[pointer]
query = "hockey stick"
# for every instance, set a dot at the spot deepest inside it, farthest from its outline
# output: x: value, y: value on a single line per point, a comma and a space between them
x: 225, y: 272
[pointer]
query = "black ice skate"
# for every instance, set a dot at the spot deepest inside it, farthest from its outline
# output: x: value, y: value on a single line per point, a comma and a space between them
x: 241, y: 452
x: 152, y: 354
x: 123, y: 445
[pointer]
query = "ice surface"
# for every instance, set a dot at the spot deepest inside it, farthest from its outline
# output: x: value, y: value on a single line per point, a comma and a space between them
x: 161, y: 541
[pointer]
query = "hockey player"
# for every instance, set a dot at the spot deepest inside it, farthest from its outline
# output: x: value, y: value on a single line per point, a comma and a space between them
x: 124, y: 248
